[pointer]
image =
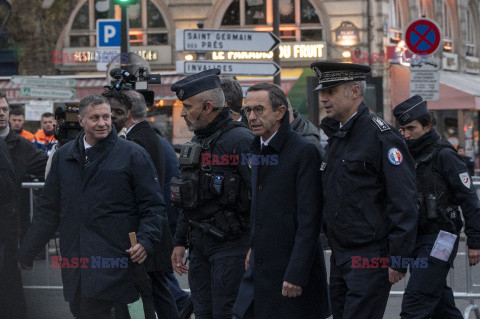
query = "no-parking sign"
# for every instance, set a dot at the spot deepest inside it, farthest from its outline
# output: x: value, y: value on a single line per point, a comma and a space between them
x: 423, y: 36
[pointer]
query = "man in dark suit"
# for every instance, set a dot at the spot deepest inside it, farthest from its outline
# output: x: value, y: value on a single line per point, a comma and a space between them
x: 285, y: 263
x: 140, y: 131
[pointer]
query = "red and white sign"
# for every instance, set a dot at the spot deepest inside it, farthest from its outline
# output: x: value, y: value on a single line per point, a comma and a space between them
x: 423, y: 36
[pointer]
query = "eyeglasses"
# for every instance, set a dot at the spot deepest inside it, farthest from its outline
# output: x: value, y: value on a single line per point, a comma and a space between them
x: 258, y: 110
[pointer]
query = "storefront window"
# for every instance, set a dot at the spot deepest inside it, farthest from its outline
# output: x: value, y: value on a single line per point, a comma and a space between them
x: 299, y: 20
x: 81, y: 20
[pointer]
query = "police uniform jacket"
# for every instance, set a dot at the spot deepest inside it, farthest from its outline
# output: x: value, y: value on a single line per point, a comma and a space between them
x: 369, y: 189
x: 96, y: 204
x: 285, y: 226
x: 235, y: 141
x: 144, y: 135
x: 450, y: 167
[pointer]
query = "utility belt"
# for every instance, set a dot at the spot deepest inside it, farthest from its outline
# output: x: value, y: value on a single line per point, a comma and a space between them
x: 223, y: 225
x: 435, y: 216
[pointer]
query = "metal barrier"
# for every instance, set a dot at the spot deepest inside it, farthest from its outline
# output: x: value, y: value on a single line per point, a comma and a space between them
x: 32, y: 186
x: 470, y: 285
x: 468, y: 295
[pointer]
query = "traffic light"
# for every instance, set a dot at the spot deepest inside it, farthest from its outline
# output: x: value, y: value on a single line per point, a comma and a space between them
x: 125, y: 2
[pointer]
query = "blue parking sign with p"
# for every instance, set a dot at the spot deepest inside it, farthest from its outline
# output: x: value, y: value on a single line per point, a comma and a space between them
x: 108, y: 33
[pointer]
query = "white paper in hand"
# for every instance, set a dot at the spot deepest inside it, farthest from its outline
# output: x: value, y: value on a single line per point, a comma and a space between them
x: 443, y: 245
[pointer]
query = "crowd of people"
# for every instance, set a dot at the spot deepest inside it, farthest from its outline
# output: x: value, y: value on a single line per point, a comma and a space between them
x: 247, y: 198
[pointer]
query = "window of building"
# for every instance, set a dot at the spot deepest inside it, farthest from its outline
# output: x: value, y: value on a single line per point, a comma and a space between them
x: 422, y: 9
x: 395, y: 21
x: 299, y: 20
x: 470, y: 34
x: 447, y: 28
x: 147, y: 26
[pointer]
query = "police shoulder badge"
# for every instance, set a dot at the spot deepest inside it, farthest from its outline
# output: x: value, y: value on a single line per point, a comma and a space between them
x: 395, y: 156
x: 465, y: 179
x: 382, y: 125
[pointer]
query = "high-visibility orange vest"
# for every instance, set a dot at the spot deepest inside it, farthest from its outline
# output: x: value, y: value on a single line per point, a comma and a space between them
x: 26, y: 134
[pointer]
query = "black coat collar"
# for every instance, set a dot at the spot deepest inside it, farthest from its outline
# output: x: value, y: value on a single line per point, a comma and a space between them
x: 139, y: 126
x: 77, y: 148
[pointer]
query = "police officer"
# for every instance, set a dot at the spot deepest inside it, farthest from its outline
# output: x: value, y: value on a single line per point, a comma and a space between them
x: 443, y: 183
x: 369, y: 190
x: 213, y: 191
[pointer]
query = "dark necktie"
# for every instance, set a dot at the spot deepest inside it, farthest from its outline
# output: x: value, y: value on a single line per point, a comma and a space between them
x: 88, y: 155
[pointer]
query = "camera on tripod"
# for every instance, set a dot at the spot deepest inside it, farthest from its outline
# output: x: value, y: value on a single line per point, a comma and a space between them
x: 124, y: 80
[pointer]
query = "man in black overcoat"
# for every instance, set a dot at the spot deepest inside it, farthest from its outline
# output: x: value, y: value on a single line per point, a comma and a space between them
x: 141, y: 132
x: 285, y: 264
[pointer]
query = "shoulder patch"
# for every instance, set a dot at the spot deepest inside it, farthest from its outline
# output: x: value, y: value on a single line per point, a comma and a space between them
x: 465, y: 179
x: 382, y: 125
x: 395, y: 156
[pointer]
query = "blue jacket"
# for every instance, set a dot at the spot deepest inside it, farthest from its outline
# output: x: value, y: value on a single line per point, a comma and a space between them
x: 96, y: 205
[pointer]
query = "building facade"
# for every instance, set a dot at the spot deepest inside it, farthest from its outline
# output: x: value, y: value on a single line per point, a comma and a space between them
x: 364, y: 31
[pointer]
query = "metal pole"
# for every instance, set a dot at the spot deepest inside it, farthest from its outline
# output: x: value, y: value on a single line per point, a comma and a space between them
x: 200, y: 55
x: 276, y: 30
x: 125, y: 44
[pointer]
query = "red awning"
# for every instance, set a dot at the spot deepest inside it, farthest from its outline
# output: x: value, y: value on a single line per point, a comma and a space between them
x: 458, y: 91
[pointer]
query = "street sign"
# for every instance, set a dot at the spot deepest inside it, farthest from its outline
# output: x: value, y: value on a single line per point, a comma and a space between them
x: 35, y: 109
x: 426, y: 84
x: 423, y: 36
x: 108, y: 41
x: 48, y: 93
x: 225, y: 40
x: 36, y: 81
x: 230, y: 68
x: 424, y: 63
x: 108, y: 33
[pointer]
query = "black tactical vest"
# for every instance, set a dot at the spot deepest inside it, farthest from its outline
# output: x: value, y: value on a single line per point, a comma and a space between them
x: 199, y: 183
x: 437, y: 209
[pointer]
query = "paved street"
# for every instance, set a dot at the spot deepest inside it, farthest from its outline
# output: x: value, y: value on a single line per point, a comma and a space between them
x: 49, y: 303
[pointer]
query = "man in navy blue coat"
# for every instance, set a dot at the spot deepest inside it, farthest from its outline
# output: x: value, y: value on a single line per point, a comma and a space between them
x: 285, y: 264
x: 99, y: 189
x: 369, y: 191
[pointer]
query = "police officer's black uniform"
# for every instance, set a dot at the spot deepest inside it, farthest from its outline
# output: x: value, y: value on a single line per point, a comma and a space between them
x: 370, y: 210
x: 443, y: 183
x: 213, y: 191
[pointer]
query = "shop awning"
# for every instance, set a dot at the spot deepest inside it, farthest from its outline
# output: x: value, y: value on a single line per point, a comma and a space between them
x: 458, y: 91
